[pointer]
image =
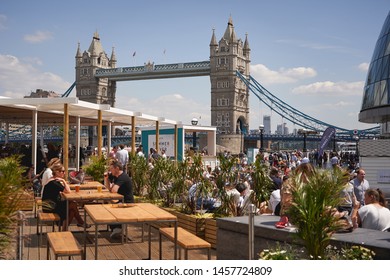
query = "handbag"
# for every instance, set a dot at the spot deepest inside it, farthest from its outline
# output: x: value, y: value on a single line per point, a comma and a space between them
x: 48, y: 206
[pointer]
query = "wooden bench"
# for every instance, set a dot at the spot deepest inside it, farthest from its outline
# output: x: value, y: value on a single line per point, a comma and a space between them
x: 186, y: 240
x: 63, y: 244
x: 47, y: 218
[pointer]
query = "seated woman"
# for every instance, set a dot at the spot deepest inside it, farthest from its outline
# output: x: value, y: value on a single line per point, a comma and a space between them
x: 374, y: 214
x: 51, y: 198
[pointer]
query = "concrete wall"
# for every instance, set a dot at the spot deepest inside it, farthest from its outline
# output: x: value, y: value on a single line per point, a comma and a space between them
x: 233, y: 243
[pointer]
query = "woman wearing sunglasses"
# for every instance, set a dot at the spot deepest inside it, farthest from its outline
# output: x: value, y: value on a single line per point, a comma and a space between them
x: 51, y: 198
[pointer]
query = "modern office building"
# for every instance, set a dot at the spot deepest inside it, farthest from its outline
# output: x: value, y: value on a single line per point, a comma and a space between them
x: 267, y: 124
x: 376, y: 96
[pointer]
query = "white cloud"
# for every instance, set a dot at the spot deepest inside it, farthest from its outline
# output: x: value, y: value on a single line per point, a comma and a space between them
x: 343, y: 104
x: 331, y: 88
x: 281, y: 76
x: 18, y: 79
x: 38, y: 37
x: 3, y: 20
x: 314, y: 46
x: 173, y: 106
x: 363, y: 66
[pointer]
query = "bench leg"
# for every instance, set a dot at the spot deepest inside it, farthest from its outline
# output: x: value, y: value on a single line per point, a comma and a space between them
x: 208, y: 254
x: 160, y: 246
x: 47, y: 250
x: 186, y: 254
x: 149, y: 242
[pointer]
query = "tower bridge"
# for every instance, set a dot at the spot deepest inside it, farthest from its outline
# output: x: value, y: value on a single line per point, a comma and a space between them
x: 151, y: 71
x: 231, y: 84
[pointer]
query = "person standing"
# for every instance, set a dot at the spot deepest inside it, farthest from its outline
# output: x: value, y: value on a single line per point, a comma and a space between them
x: 360, y: 185
x: 112, y: 153
x: 122, y: 184
x: 122, y: 156
x: 82, y: 156
x: 163, y: 154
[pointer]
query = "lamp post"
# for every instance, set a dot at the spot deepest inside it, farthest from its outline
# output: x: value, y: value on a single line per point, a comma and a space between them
x: 356, y: 137
x: 261, y: 130
x: 194, y: 122
x: 304, y: 132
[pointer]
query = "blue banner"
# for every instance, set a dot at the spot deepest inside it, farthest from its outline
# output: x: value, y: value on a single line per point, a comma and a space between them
x: 326, y: 137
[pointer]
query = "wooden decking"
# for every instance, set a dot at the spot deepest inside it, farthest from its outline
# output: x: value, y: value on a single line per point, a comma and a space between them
x: 108, y: 249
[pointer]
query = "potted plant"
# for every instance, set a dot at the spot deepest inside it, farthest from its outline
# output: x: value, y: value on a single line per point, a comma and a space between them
x: 96, y: 168
x: 12, y: 196
x: 311, y: 211
x: 138, y: 169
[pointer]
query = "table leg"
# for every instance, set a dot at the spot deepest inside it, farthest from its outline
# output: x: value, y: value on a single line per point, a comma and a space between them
x: 175, y: 240
x: 96, y: 242
x: 67, y: 215
x: 149, y: 242
x: 85, y: 235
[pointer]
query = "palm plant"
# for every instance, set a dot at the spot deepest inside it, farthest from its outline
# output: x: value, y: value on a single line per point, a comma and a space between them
x: 204, y: 187
x: 12, y: 185
x: 160, y: 177
x: 262, y: 183
x: 96, y: 167
x: 138, y: 168
x: 313, y: 201
x: 180, y: 185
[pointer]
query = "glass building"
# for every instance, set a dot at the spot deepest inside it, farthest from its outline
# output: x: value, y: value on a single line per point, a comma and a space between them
x: 376, y: 96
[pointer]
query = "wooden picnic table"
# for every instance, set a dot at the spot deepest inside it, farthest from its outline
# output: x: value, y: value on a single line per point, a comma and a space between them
x: 90, y: 185
x: 89, y: 195
x: 121, y: 213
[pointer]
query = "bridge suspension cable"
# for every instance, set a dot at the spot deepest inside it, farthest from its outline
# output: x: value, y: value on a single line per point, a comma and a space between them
x: 69, y: 90
x: 293, y: 115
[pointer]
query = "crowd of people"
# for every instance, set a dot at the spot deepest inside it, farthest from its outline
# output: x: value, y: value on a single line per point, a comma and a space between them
x: 362, y: 205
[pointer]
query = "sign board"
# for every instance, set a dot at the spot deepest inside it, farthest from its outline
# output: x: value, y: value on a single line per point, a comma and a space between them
x: 165, y: 142
x: 383, y: 176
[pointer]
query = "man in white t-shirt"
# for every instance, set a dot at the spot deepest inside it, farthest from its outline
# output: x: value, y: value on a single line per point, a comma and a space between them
x: 274, y: 201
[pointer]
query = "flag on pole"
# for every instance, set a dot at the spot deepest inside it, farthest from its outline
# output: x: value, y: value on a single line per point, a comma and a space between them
x: 164, y: 51
x: 134, y: 54
x: 327, y: 136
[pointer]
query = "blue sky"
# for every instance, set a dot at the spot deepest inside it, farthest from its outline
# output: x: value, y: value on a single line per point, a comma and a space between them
x: 313, y: 55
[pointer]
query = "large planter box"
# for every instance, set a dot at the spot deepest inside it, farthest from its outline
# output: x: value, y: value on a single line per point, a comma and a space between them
x: 191, y: 223
x: 211, y: 232
x: 26, y: 201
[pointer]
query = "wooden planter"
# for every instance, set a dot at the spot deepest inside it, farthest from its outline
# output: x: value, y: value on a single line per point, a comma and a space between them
x: 191, y: 223
x: 211, y: 232
x: 26, y: 201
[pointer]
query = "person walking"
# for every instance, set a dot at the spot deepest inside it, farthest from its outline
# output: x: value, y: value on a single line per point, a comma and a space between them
x: 122, y: 156
x: 360, y: 185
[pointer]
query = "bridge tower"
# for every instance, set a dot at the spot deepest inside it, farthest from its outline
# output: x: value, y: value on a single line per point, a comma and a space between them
x: 88, y: 87
x: 229, y: 95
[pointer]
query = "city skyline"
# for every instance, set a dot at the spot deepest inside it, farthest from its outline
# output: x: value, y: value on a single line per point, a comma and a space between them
x: 313, y: 56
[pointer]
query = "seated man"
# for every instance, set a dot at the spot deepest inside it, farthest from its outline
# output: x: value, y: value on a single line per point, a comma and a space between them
x: 206, y: 203
x: 118, y: 181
